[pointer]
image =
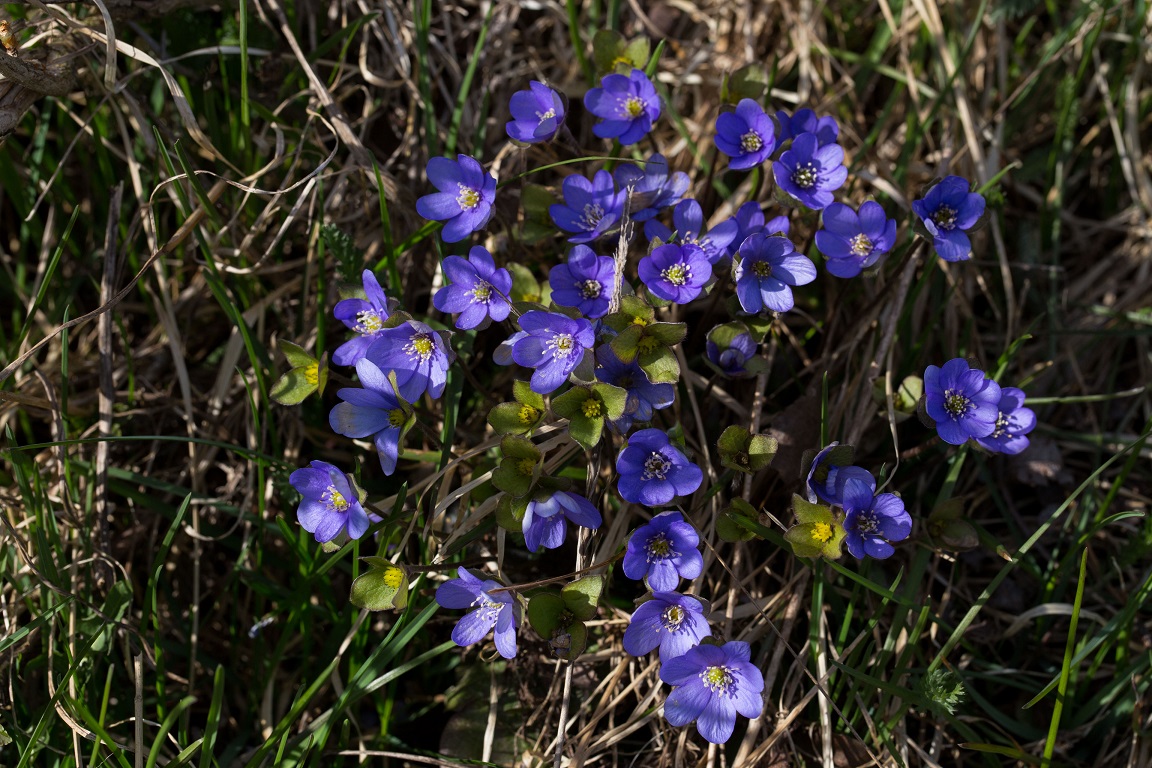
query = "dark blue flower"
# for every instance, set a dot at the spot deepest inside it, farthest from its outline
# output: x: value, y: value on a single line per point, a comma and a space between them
x: 731, y: 359
x: 670, y: 621
x: 689, y: 220
x: 330, y: 503
x: 662, y: 551
x: 746, y: 135
x: 653, y: 471
x: 544, y: 524
x: 1013, y: 422
x: 767, y: 267
x: 365, y: 317
x: 554, y: 346
x: 417, y: 354
x: 713, y: 684
x: 464, y: 202
x: 643, y: 395
x: 853, y: 242
x: 585, y: 282
x: 947, y: 210
x: 627, y: 106
x: 870, y: 521
x: 809, y: 172
x: 750, y: 219
x: 825, y: 481
x: 476, y: 290
x: 805, y: 121
x: 590, y: 207
x: 371, y: 410
x: 653, y: 188
x: 503, y: 353
x: 497, y: 611
x: 963, y: 402
x: 675, y: 273
x: 537, y: 114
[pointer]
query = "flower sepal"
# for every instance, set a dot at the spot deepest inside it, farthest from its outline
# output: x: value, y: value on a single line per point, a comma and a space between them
x: 905, y: 397
x: 307, y: 375
x: 949, y: 530
x: 384, y: 586
x: 521, y: 416
x: 745, y: 452
x: 819, y: 531
x: 520, y: 468
x: 612, y: 52
x: 586, y: 407
x: 731, y: 525
x: 559, y: 617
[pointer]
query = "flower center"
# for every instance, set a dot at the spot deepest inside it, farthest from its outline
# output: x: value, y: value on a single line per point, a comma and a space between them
x: 677, y: 274
x: 821, y: 532
x: 481, y: 292
x: 955, y: 403
x: 591, y: 408
x: 866, y: 522
x: 633, y: 107
x: 527, y: 414
x: 592, y: 215
x: 421, y: 346
x: 561, y: 344
x: 751, y: 142
x: 718, y: 679
x: 656, y: 466
x: 860, y: 245
x: 368, y: 322
x: 590, y: 289
x: 1001, y: 426
x: 647, y: 344
x: 488, y: 607
x: 396, y: 417
x: 468, y: 198
x: 658, y: 548
x: 944, y: 217
x: 334, y: 500
x: 525, y: 466
x: 804, y: 176
x: 762, y: 269
x: 672, y: 617
x: 542, y: 116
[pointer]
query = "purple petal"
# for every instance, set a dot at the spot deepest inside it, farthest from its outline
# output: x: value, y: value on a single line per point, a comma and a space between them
x: 472, y: 628
x: 687, y: 702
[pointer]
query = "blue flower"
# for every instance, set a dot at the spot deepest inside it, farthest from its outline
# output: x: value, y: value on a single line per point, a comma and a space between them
x: 731, y: 359
x: 590, y: 207
x: 746, y: 135
x: 585, y: 282
x: 768, y: 266
x: 750, y: 219
x: 417, y: 354
x: 962, y: 401
x: 854, y: 242
x: 825, y: 481
x: 870, y: 522
x: 476, y: 290
x: 809, y: 172
x: 554, y: 346
x: 713, y: 684
x: 689, y: 220
x: 371, y: 410
x: 653, y: 471
x: 627, y: 105
x: 676, y: 273
x: 537, y: 114
x: 464, y: 202
x: 643, y: 395
x: 330, y: 503
x: 544, y: 524
x: 1013, y: 422
x: 497, y: 611
x: 653, y: 189
x: 365, y: 317
x: 805, y: 121
x: 947, y: 210
x: 662, y: 551
x: 670, y: 621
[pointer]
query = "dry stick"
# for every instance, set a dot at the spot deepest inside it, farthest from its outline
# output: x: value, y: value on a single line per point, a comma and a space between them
x: 186, y: 228
x: 138, y: 705
x: 107, y: 391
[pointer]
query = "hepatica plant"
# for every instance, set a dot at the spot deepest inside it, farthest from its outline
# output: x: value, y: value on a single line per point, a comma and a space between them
x: 580, y: 397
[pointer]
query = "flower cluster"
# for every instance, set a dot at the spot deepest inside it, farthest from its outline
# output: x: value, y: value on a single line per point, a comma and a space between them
x: 966, y: 404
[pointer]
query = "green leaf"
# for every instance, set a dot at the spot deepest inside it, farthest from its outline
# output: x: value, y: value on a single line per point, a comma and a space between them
x: 514, y: 447
x: 625, y: 344
x: 607, y: 46
x: 807, y: 512
x: 384, y: 586
x: 582, y: 595
x: 667, y: 333
x: 514, y: 418
x: 748, y: 82
x: 661, y: 366
x: 297, y: 357
x: 536, y: 200
x: 510, y: 512
x: 637, y: 52
x: 522, y: 393
x: 586, y: 430
x: 544, y: 612
x: 729, y: 530
x: 294, y: 386
x: 723, y: 335
x: 615, y: 399
x: 525, y: 287
x: 733, y: 439
x: 761, y: 450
